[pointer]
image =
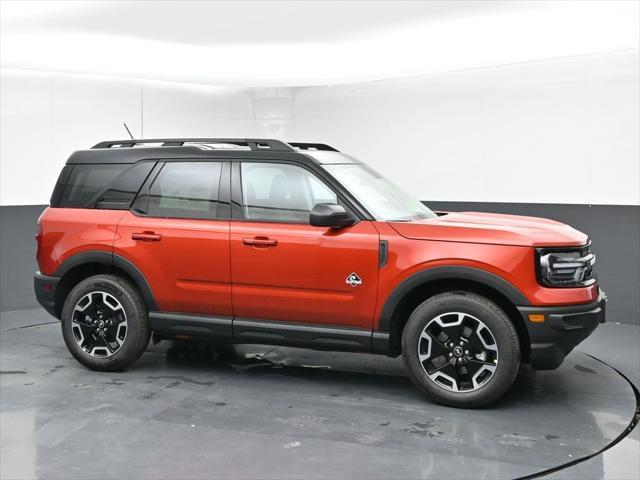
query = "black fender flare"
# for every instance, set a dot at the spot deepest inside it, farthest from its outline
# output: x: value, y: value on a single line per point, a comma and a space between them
x: 111, y: 259
x: 477, y: 275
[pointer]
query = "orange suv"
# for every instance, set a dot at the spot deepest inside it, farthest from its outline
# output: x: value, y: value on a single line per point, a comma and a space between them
x: 265, y: 242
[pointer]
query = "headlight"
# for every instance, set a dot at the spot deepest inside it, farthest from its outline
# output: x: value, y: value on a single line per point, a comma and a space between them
x: 566, y: 267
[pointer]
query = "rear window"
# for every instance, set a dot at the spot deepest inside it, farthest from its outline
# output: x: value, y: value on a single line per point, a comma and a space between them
x: 110, y: 186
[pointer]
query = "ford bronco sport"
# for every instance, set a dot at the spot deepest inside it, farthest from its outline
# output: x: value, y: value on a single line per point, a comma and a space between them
x: 260, y: 241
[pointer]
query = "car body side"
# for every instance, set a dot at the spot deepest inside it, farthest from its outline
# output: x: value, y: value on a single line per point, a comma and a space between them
x: 412, y: 262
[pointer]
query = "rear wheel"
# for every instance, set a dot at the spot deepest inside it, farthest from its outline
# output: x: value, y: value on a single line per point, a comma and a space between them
x: 104, y: 323
x: 461, y: 349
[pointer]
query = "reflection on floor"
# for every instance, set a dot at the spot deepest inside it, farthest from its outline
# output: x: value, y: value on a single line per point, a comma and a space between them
x: 619, y: 346
x: 188, y: 410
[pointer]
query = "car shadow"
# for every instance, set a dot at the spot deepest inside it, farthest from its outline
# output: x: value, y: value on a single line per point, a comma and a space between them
x: 364, y: 373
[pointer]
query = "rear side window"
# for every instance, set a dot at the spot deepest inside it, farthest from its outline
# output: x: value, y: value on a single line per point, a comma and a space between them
x: 104, y: 186
x: 124, y: 188
x: 183, y: 190
x: 86, y: 181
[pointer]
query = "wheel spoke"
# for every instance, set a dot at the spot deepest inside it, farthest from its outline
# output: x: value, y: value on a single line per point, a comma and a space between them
x: 106, y: 343
x: 90, y: 341
x: 110, y: 305
x: 464, y: 377
x: 437, y: 348
x: 118, y: 317
x: 82, y: 318
x: 452, y: 372
x: 475, y: 365
x: 488, y: 345
x: 451, y: 324
x: 443, y: 361
x: 96, y: 303
x: 474, y: 344
x: 479, y: 361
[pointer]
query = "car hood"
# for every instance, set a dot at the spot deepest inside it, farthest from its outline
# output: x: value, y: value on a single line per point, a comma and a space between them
x: 476, y: 227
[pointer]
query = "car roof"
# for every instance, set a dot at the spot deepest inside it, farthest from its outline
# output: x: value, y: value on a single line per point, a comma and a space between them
x: 131, y: 151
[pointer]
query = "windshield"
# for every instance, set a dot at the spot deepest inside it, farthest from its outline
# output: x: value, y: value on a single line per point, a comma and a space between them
x: 378, y: 195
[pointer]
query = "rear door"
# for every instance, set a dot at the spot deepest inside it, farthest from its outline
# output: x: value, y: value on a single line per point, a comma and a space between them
x: 286, y: 270
x: 177, y: 235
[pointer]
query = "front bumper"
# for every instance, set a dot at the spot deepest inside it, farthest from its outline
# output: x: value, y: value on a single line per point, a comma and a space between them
x: 561, y: 329
x: 44, y: 287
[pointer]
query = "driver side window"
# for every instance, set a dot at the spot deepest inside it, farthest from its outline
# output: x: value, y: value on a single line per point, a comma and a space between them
x: 281, y: 192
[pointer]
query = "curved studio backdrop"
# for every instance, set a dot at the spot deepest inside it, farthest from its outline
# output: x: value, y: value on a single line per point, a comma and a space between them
x: 557, y: 138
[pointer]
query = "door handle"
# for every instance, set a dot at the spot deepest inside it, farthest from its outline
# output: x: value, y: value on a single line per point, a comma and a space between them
x: 146, y: 236
x: 260, y: 241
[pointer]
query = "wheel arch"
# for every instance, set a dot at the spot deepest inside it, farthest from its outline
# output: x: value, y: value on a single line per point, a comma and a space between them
x: 424, y: 284
x: 86, y: 264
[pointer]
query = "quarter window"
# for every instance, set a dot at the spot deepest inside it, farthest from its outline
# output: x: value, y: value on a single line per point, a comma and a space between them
x: 123, y: 189
x: 183, y: 190
x: 86, y: 181
x: 281, y: 192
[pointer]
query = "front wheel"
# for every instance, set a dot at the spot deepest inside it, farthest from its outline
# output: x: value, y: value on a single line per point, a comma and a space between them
x: 461, y: 349
x: 104, y: 323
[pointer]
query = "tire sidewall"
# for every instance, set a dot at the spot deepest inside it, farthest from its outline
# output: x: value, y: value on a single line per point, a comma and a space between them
x: 137, y: 322
x: 501, y: 328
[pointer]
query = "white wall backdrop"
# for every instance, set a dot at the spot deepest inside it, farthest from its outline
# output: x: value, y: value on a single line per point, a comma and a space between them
x: 558, y: 131
x: 47, y: 116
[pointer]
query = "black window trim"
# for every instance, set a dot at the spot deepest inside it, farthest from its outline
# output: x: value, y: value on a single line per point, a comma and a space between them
x: 222, y: 214
x: 233, y: 158
x: 237, y: 202
x: 61, y: 184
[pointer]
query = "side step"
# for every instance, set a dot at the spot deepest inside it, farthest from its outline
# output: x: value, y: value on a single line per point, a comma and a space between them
x: 320, y: 337
x: 267, y: 332
x: 180, y: 324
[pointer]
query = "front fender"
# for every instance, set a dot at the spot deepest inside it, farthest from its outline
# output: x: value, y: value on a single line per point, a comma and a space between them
x: 421, y: 277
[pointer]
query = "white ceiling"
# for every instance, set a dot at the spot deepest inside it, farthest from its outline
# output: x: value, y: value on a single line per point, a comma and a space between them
x: 295, y: 43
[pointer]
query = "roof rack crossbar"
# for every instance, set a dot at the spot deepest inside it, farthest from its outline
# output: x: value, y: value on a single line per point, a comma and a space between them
x: 313, y: 146
x: 252, y: 143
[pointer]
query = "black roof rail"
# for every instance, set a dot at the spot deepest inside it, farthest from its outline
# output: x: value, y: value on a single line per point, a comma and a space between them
x: 252, y: 143
x: 313, y: 146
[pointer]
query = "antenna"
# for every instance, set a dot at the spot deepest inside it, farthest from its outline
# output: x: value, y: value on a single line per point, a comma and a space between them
x: 128, y: 131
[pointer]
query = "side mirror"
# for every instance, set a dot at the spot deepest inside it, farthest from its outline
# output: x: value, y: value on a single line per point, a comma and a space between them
x: 331, y: 215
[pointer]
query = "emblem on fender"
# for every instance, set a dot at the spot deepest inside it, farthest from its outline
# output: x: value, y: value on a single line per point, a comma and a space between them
x: 354, y: 280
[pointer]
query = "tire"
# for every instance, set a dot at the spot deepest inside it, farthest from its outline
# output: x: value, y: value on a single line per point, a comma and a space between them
x: 116, y: 303
x: 482, y: 365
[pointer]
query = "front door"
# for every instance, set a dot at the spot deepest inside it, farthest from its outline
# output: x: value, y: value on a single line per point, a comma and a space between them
x: 177, y: 234
x: 285, y: 270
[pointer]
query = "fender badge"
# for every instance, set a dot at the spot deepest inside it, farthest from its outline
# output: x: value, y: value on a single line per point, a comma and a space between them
x: 354, y: 280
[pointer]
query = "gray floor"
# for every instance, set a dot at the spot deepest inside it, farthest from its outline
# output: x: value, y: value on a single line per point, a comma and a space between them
x: 619, y: 346
x: 187, y: 411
